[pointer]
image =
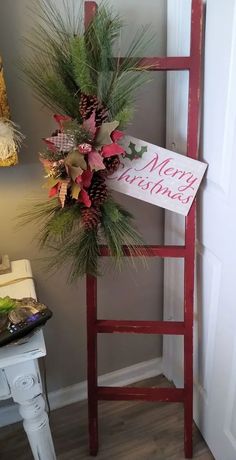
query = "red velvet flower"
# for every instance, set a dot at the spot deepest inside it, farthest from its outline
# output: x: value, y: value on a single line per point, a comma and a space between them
x: 84, y: 198
x: 54, y: 190
x: 111, y: 150
x: 117, y: 135
x: 60, y: 119
x: 85, y: 179
x: 95, y: 161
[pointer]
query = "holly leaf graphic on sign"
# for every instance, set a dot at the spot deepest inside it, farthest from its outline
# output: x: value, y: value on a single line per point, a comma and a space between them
x: 135, y: 154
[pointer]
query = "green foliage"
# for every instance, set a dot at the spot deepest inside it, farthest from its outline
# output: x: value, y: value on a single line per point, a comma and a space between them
x: 116, y: 80
x: 78, y: 131
x: 68, y: 242
x: 100, y: 37
x: 7, y: 304
x: 124, y: 116
x: 80, y: 251
x: 38, y: 212
x: 52, y: 156
x: 58, y: 91
x: 64, y: 61
x: 48, y: 68
x: 60, y: 225
x: 118, y: 230
x: 85, y: 253
x: 62, y: 234
x: 49, y: 87
x: 81, y: 66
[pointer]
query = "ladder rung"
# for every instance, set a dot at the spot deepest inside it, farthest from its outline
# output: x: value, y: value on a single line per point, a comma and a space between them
x: 166, y: 63
x: 148, y: 251
x: 161, y: 63
x: 141, y: 394
x: 140, y: 327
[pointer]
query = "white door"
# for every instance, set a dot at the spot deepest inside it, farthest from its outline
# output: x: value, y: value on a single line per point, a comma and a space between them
x: 215, y: 309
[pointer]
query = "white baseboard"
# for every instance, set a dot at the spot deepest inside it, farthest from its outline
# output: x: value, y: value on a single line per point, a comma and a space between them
x: 78, y: 392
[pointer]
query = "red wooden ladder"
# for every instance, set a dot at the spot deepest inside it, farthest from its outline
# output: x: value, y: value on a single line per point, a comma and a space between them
x: 96, y: 326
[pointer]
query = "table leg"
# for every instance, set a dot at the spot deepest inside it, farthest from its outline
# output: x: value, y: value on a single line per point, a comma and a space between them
x: 26, y: 390
x: 36, y: 425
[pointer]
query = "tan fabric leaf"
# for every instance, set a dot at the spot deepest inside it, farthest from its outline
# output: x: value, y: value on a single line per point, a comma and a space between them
x: 104, y: 133
x: 51, y: 182
x: 75, y: 164
x: 75, y: 191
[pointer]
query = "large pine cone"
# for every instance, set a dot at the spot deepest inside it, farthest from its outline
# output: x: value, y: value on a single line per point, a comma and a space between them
x: 89, y: 104
x: 101, y: 116
x: 112, y: 164
x: 91, y: 217
x: 98, y: 192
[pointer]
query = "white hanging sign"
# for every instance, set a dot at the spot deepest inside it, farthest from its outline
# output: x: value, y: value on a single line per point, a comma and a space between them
x: 158, y: 176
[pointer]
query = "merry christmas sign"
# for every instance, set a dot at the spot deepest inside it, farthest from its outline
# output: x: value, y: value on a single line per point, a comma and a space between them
x: 158, y: 176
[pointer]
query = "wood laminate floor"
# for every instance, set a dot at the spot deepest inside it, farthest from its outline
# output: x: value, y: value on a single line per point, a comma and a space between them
x: 128, y: 431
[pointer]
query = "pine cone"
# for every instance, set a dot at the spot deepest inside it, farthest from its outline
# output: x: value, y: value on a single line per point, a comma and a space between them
x: 100, y: 115
x: 89, y: 104
x: 98, y: 190
x: 112, y: 164
x: 90, y: 217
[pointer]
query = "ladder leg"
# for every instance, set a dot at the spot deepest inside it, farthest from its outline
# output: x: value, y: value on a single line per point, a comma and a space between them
x: 188, y: 337
x: 91, y: 292
x: 188, y: 421
x: 192, y: 151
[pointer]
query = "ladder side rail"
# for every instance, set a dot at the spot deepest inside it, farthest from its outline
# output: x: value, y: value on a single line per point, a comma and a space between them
x: 91, y: 297
x: 91, y: 300
x: 190, y: 221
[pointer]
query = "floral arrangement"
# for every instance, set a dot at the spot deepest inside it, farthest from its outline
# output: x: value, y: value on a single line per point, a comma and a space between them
x: 74, y: 73
x: 79, y: 157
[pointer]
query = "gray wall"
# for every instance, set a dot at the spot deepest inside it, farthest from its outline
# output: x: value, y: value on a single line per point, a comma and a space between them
x: 128, y: 295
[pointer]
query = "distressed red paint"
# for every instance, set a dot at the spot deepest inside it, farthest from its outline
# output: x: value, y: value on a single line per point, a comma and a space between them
x: 187, y: 252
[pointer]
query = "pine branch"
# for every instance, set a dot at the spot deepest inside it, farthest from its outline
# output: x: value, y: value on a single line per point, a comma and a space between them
x: 71, y: 62
x: 85, y: 254
x: 117, y: 227
x: 49, y: 86
x: 60, y: 226
x: 81, y: 67
x: 38, y: 212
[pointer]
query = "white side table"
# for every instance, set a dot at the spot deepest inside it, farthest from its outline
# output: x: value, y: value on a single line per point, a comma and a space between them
x: 19, y: 372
